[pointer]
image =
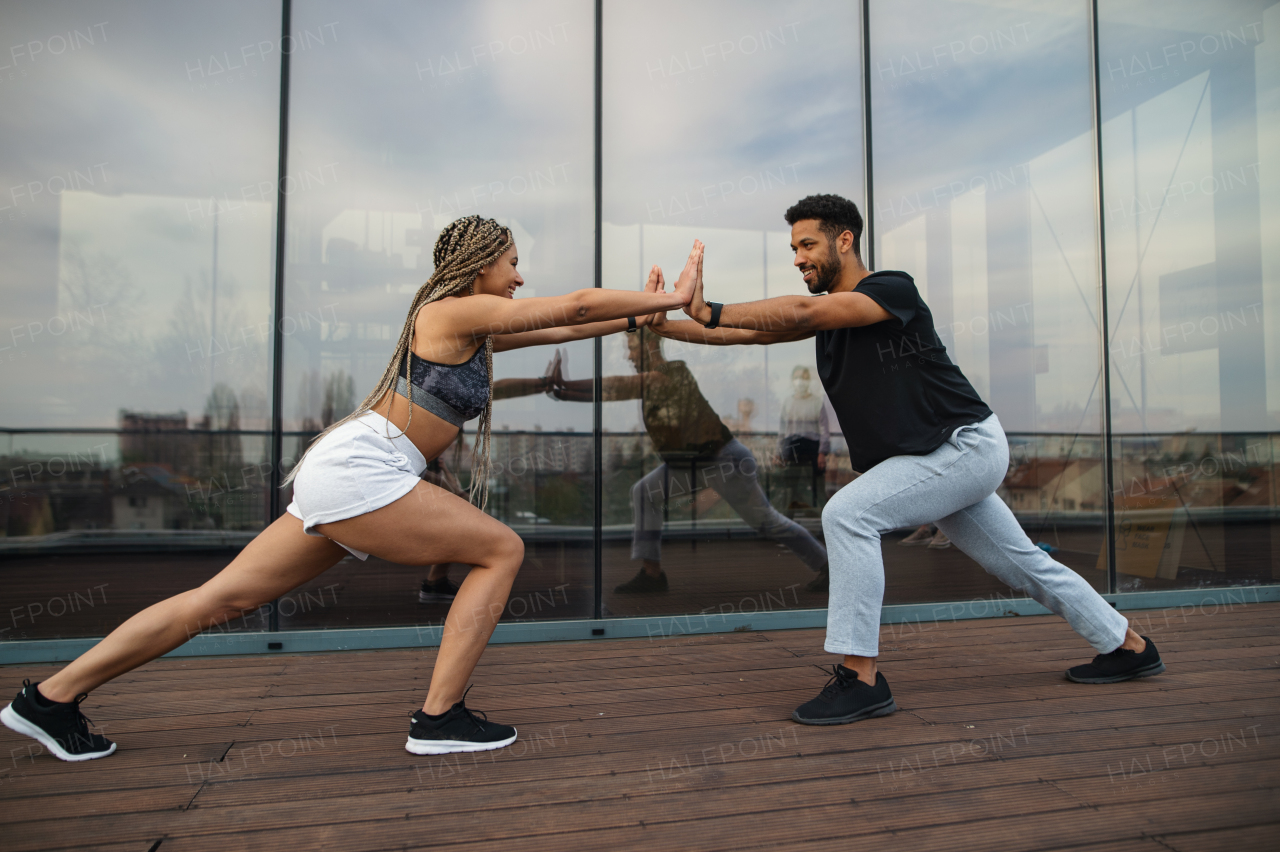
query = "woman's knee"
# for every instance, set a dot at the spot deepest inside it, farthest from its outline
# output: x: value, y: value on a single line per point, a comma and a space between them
x: 214, y: 606
x: 508, y: 551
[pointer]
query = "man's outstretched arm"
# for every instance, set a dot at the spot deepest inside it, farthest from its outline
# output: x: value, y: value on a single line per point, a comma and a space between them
x: 789, y: 314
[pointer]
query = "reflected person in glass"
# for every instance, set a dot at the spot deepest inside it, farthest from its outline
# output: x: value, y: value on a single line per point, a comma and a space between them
x: 698, y: 452
x: 437, y: 587
x: 358, y: 491
x: 928, y: 447
x: 804, y: 440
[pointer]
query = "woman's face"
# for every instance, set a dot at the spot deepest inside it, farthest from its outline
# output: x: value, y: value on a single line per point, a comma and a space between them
x: 500, y: 278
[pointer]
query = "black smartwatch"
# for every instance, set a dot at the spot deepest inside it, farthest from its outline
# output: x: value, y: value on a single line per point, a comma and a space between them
x: 716, y: 307
x: 631, y: 324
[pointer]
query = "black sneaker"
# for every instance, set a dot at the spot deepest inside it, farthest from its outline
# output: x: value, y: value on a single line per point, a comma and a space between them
x: 459, y: 729
x: 59, y: 727
x: 1121, y: 664
x: 820, y: 583
x: 441, y: 591
x: 642, y: 583
x: 846, y: 699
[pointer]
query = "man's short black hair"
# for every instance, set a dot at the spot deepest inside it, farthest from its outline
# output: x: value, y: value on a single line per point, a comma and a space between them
x: 835, y: 215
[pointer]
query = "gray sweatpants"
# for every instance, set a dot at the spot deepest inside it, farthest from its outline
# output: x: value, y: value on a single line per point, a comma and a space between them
x: 954, y: 487
x: 732, y: 475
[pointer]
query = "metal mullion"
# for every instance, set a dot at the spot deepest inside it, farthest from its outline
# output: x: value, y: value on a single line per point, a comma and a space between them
x: 277, y: 337
x: 597, y: 405
x: 868, y: 182
x: 1108, y: 453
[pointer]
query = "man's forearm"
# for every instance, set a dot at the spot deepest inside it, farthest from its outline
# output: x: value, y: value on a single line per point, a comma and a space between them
x: 779, y: 314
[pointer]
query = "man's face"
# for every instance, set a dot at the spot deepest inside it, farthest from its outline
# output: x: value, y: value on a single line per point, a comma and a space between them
x: 816, y: 255
x: 643, y: 351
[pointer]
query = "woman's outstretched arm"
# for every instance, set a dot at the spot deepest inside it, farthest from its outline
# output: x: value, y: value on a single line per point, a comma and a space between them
x: 564, y: 334
x: 481, y: 314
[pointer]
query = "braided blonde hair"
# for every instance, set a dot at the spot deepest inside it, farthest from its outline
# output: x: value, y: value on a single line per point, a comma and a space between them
x: 462, y: 249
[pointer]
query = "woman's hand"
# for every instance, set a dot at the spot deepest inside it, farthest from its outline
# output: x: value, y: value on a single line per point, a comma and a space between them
x: 553, y: 378
x: 696, y: 307
x: 655, y: 284
x: 559, y: 382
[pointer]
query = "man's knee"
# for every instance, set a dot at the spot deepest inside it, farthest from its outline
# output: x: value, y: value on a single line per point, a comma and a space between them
x: 838, y: 512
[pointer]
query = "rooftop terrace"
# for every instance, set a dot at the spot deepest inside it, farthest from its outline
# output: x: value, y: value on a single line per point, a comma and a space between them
x: 685, y: 743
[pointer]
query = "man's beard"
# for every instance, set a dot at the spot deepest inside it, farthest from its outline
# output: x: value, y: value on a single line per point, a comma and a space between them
x: 825, y: 274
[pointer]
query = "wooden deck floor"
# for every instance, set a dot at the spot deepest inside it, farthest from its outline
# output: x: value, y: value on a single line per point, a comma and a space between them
x: 684, y: 743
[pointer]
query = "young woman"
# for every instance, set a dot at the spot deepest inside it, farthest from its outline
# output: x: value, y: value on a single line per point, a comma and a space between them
x: 358, y: 490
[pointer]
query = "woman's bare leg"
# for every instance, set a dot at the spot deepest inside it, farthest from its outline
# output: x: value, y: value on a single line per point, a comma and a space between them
x: 281, y: 558
x: 431, y: 526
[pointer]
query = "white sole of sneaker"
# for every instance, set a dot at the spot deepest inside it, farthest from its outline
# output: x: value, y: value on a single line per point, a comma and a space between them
x: 416, y: 746
x: 14, y: 722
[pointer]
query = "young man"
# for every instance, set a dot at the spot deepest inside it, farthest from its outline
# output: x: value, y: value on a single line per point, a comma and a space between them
x: 928, y: 447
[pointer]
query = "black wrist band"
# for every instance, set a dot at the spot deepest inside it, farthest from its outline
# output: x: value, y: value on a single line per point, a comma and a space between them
x: 631, y: 324
x: 716, y: 307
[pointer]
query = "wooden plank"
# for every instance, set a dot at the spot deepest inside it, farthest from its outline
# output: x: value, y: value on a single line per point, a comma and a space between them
x: 615, y: 737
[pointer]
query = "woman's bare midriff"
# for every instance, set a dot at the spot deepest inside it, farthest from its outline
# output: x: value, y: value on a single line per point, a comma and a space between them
x: 428, y: 432
x: 431, y: 435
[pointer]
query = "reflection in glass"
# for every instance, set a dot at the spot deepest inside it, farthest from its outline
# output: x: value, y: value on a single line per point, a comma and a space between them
x: 1195, y: 375
x: 997, y: 226
x: 468, y: 108
x: 804, y: 445
x: 730, y: 118
x: 137, y: 228
x: 702, y: 463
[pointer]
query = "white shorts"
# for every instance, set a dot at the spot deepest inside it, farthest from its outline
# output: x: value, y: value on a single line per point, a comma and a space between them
x: 359, y: 467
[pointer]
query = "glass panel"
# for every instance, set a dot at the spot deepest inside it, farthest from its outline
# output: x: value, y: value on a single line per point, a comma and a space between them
x: 1189, y: 102
x: 137, y: 229
x: 404, y: 117
x: 718, y: 126
x: 986, y: 197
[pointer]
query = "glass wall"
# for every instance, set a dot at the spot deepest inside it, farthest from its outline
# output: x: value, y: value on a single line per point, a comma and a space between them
x: 1191, y: 148
x: 726, y: 114
x: 998, y: 227
x: 418, y: 114
x: 138, y: 226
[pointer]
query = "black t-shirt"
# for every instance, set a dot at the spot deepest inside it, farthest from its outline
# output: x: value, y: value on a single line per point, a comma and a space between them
x: 893, y: 388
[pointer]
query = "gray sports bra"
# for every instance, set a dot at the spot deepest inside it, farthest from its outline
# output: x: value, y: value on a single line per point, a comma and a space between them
x: 453, y: 392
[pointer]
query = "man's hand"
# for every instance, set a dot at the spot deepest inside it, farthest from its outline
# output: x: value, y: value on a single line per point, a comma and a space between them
x: 691, y: 277
x: 697, y: 307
